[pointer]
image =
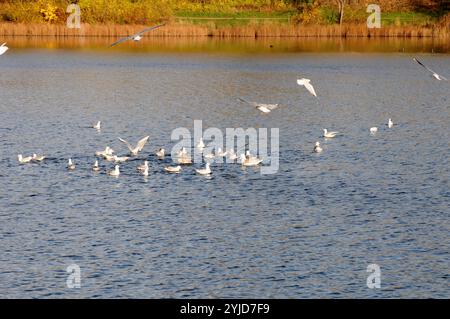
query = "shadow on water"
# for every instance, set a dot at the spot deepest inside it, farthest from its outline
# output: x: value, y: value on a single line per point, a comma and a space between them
x: 238, y: 45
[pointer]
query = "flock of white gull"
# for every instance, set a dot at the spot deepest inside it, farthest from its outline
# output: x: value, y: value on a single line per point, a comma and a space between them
x: 182, y: 157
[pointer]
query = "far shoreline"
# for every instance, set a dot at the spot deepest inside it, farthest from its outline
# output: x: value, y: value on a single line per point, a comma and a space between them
x: 260, y: 30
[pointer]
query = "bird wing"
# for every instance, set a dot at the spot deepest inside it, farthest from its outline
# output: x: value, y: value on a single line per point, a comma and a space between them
x: 122, y: 40
x: 141, y: 143
x: 130, y: 147
x: 426, y: 67
x: 148, y: 29
x: 3, y: 44
x: 310, y: 88
x: 248, y: 102
x: 270, y: 106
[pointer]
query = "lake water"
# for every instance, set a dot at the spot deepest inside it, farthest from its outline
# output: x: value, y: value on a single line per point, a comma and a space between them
x: 308, y: 231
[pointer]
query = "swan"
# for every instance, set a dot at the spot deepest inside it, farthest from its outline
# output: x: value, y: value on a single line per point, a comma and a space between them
x: 306, y: 83
x: 95, y: 167
x: 317, y: 148
x: 70, y: 165
x: 134, y: 150
x: 3, y: 48
x: 204, y: 171
x: 23, y: 160
x: 329, y: 134
x: 171, y: 169
x: 115, y: 172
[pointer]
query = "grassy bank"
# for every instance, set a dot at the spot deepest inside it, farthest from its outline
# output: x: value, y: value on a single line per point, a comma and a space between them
x: 218, y: 18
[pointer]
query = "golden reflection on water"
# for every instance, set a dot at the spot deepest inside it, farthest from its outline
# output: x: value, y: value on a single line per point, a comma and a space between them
x: 236, y: 45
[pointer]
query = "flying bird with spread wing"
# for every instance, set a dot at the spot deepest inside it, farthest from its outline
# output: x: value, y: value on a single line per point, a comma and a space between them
x: 136, y: 36
x: 306, y: 83
x: 436, y: 76
x: 134, y: 150
x: 264, y: 108
x: 3, y: 48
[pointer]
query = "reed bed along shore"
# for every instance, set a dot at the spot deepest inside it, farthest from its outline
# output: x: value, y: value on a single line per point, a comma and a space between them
x: 259, y: 30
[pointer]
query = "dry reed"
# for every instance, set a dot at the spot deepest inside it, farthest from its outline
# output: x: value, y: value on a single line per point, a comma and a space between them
x: 210, y: 30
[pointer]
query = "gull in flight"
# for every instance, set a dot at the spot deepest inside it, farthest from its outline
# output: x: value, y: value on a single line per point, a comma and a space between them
x: 134, y: 150
x: 70, y: 165
x: 264, y: 108
x: 329, y: 134
x: 115, y: 172
x: 38, y: 158
x: 306, y: 83
x: 390, y: 123
x: 95, y: 168
x: 171, y: 169
x: 3, y: 48
x: 161, y: 152
x: 23, y: 160
x: 97, y: 126
x: 204, y: 171
x: 437, y: 76
x: 373, y: 130
x: 317, y: 148
x: 136, y: 36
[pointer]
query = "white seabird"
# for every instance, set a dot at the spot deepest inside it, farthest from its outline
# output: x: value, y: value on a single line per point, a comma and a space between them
x: 161, y: 152
x: 136, y: 36
x: 317, y: 148
x: 115, y: 172
x: 306, y: 83
x: 171, y: 169
x: 38, y: 158
x: 23, y: 160
x: 435, y: 75
x: 3, y: 48
x: 70, y: 165
x: 95, y: 167
x: 329, y: 134
x: 390, y: 123
x: 250, y: 161
x: 204, y: 171
x: 98, y: 125
x: 373, y: 130
x: 134, y: 150
x: 201, y: 144
x: 264, y: 108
